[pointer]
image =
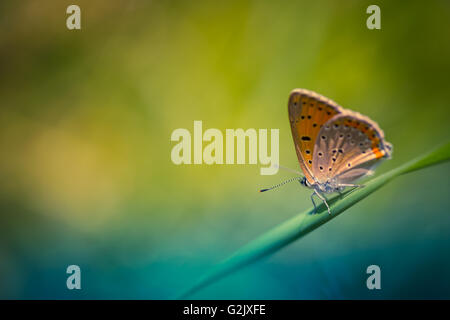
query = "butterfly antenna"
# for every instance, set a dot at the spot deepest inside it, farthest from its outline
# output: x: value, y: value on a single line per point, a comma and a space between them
x: 280, y: 184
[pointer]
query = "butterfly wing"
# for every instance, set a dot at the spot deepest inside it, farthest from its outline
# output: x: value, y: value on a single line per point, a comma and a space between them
x: 348, y: 147
x: 308, y: 112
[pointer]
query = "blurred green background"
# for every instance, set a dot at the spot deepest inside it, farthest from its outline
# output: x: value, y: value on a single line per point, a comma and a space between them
x: 85, y: 122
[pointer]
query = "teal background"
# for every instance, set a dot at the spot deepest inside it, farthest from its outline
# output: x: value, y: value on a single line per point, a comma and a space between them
x: 85, y: 124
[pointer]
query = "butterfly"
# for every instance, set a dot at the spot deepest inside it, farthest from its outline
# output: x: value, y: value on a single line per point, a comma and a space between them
x: 335, y: 146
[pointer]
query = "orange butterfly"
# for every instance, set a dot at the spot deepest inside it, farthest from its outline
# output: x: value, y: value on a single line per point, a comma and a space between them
x: 335, y: 146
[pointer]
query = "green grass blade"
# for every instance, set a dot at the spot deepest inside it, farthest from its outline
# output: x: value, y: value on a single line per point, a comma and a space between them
x: 305, y: 222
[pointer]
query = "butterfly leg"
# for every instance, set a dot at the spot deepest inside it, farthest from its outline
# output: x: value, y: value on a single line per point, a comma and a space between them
x: 323, y: 199
x: 312, y: 199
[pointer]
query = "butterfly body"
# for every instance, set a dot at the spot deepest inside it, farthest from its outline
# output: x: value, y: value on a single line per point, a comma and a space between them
x: 335, y: 146
x: 329, y: 186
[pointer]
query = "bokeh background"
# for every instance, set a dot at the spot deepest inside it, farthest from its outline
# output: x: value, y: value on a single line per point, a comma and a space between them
x: 85, y: 122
